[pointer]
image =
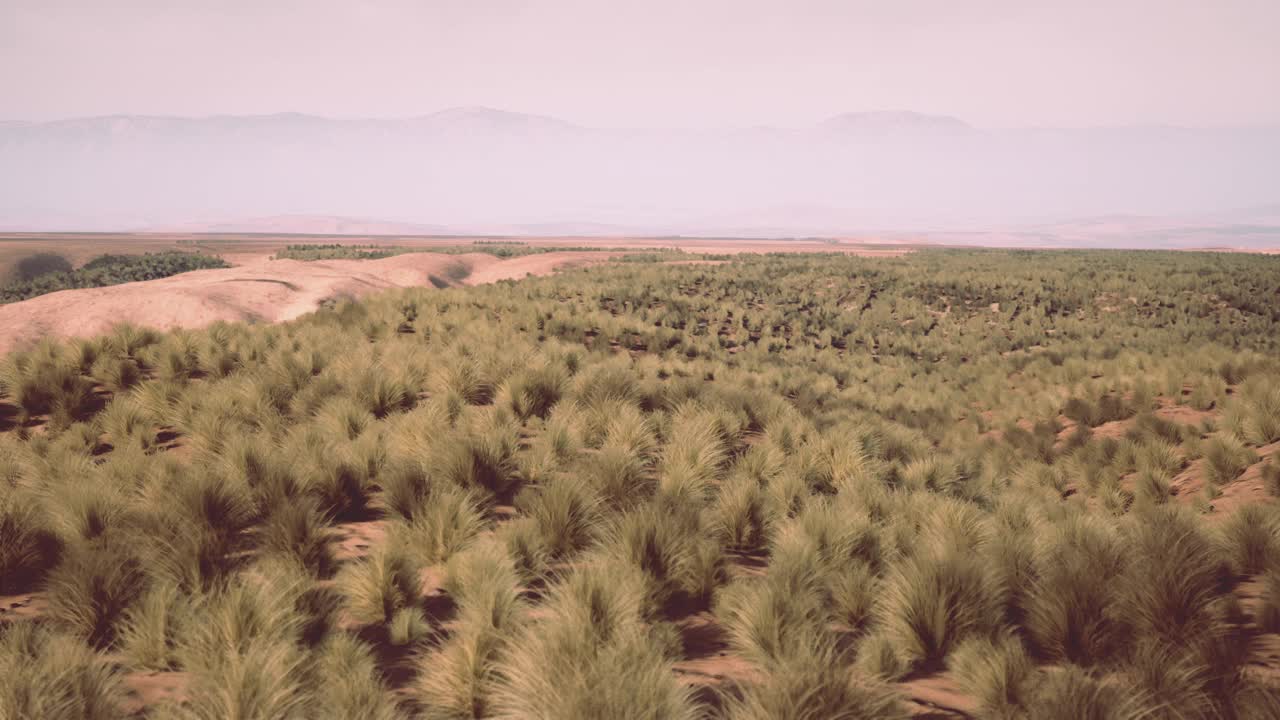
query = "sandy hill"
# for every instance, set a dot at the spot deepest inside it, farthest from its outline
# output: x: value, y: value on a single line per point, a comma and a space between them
x: 259, y: 290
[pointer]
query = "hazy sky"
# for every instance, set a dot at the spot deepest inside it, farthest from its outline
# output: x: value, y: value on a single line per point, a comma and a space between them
x: 666, y: 63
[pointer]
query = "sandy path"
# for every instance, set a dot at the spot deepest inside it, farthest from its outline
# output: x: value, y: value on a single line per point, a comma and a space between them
x: 259, y: 290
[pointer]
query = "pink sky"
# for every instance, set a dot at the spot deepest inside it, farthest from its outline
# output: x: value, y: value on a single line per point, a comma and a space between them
x: 668, y: 63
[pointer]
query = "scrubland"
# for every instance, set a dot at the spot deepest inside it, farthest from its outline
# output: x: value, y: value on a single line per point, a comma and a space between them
x: 951, y: 484
x: 55, y: 273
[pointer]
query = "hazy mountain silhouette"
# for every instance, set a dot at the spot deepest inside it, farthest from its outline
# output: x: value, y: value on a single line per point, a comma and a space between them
x: 469, y: 168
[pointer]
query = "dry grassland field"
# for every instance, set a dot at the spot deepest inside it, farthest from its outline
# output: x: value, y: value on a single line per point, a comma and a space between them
x: 447, y: 478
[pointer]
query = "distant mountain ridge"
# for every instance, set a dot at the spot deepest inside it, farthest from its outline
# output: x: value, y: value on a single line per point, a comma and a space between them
x: 304, y: 225
x: 894, y: 122
x: 477, y: 116
x: 478, y: 167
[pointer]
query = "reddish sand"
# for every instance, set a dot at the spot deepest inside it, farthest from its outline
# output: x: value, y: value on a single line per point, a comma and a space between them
x: 81, y: 247
x: 259, y: 290
x: 1247, y: 489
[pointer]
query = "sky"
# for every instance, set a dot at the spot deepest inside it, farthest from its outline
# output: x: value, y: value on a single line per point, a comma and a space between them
x: 656, y: 63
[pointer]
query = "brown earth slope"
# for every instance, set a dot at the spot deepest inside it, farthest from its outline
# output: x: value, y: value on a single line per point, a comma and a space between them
x: 258, y: 290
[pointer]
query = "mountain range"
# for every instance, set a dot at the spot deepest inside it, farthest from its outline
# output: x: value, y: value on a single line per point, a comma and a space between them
x: 480, y: 169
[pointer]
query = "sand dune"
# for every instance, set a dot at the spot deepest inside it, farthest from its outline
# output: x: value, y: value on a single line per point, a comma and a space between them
x: 258, y: 290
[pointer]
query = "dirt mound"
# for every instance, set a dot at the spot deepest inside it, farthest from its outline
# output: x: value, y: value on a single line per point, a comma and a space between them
x: 259, y: 290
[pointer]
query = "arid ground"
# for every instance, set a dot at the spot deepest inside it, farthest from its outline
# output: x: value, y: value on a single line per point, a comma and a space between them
x: 941, y: 484
x: 259, y: 288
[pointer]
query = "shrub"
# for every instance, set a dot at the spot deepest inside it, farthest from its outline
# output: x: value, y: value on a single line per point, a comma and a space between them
x: 299, y: 531
x: 1225, y: 458
x: 620, y: 675
x: 484, y: 583
x: 667, y: 553
x: 567, y: 515
x: 151, y: 628
x: 460, y: 678
x: 1168, y: 590
x: 1152, y: 487
x: 28, y: 546
x: 447, y: 522
x: 85, y: 507
x: 116, y: 373
x: 126, y: 423
x: 534, y: 392
x: 1251, y: 537
x: 94, y: 585
x: 815, y: 684
x: 46, y: 675
x: 997, y: 672
x: 199, y: 529
x: 620, y: 476
x: 48, y: 272
x: 851, y: 592
x: 483, y: 461
x: 768, y: 619
x: 740, y: 517
x: 1270, y: 473
x: 405, y: 487
x: 1072, y: 693
x: 348, y: 683
x: 936, y: 599
x: 265, y: 680
x: 1069, y: 612
x: 1258, y: 406
x: 591, y: 656
x: 49, y: 385
x: 33, y: 266
x: 1268, y: 617
x: 381, y: 585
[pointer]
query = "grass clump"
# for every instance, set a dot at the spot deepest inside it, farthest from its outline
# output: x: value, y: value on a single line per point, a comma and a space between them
x: 448, y: 520
x: 1269, y: 610
x: 932, y: 602
x: 1070, y: 609
x: 1225, y: 458
x: 383, y: 588
x: 90, y: 591
x: 592, y: 656
x: 1251, y: 538
x: 28, y: 546
x: 997, y: 672
x: 459, y: 679
x: 47, y: 675
x: 816, y: 684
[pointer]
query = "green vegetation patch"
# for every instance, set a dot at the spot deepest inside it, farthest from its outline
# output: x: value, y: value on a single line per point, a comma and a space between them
x: 502, y: 249
x: 107, y: 270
